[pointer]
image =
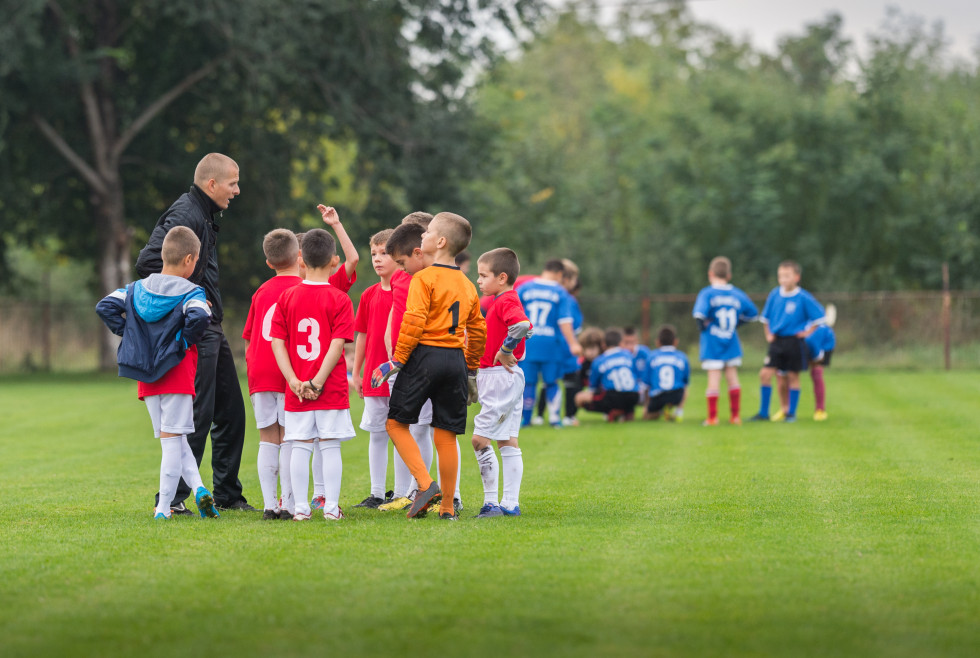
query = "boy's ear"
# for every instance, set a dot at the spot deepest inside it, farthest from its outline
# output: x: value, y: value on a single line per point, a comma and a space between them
x: 417, y: 252
x: 189, y: 258
x: 269, y: 264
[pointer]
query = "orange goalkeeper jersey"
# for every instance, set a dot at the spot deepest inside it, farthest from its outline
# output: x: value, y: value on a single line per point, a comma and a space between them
x: 442, y: 310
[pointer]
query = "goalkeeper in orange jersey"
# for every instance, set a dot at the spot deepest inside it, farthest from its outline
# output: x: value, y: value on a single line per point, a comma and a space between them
x: 440, y: 343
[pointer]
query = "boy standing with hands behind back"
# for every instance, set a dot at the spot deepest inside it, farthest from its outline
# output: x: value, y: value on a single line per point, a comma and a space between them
x: 442, y: 319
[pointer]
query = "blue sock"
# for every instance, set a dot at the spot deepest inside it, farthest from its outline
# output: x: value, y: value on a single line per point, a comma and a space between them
x: 552, y: 393
x: 528, y: 404
x: 794, y: 399
x: 766, y: 394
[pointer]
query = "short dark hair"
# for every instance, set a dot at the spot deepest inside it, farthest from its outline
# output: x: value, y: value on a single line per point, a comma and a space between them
x: 418, y: 217
x: 629, y: 330
x: 554, y: 265
x: 720, y: 267
x: 177, y: 244
x: 613, y: 337
x: 462, y: 257
x: 280, y: 247
x: 318, y: 248
x: 667, y: 335
x: 404, y: 240
x: 502, y: 260
x: 791, y: 264
x: 591, y: 337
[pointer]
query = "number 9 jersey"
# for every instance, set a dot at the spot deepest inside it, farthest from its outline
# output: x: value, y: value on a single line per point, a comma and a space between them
x: 720, y: 309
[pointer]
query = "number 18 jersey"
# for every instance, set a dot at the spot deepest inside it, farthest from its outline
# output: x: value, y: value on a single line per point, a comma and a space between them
x: 721, y: 309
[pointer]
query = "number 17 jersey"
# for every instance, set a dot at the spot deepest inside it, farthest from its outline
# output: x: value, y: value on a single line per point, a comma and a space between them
x: 721, y: 309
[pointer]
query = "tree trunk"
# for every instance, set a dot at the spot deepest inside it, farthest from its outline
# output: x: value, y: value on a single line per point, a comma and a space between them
x: 114, y: 260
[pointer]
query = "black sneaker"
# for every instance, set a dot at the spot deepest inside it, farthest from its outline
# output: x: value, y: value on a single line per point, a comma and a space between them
x: 422, y: 500
x: 285, y: 515
x: 457, y: 505
x: 180, y: 509
x: 270, y: 515
x: 389, y: 496
x: 237, y: 506
x: 758, y: 417
x: 371, y: 502
x: 446, y: 516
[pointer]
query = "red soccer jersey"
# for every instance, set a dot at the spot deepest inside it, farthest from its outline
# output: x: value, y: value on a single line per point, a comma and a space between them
x: 260, y: 362
x: 339, y: 279
x: 400, y: 281
x: 179, y: 379
x: 505, y: 311
x: 372, y: 320
x: 524, y: 278
x: 308, y: 317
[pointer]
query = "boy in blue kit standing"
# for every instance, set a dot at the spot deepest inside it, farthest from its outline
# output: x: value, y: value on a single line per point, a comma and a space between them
x: 667, y: 374
x: 613, y: 384
x: 719, y: 310
x: 549, y: 308
x: 790, y: 315
x: 820, y: 346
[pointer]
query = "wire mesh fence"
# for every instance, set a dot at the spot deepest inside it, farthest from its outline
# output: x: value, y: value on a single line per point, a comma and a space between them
x: 891, y: 329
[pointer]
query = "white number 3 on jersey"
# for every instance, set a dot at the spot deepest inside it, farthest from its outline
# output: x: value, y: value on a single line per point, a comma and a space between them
x: 311, y: 350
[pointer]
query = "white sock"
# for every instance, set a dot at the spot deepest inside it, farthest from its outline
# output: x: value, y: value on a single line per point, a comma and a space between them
x: 268, y: 465
x: 169, y: 472
x: 423, y: 437
x: 513, y: 468
x: 489, y: 470
x: 378, y: 462
x: 188, y: 465
x: 285, y: 479
x: 333, y: 471
x: 317, y: 469
x: 403, y: 477
x: 299, y: 474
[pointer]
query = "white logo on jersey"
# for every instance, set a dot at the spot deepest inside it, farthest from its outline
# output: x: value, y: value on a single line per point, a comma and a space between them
x: 790, y: 308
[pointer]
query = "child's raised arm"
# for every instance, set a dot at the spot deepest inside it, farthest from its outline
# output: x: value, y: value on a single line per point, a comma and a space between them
x: 332, y: 219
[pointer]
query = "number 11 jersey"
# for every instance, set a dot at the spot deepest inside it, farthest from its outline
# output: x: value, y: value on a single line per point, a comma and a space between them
x: 721, y: 308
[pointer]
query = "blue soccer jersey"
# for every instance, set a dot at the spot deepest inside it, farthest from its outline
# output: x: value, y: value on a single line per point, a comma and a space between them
x: 547, y: 305
x: 667, y: 370
x: 613, y: 370
x: 570, y: 361
x: 820, y: 342
x: 789, y: 313
x: 721, y: 309
x: 641, y: 358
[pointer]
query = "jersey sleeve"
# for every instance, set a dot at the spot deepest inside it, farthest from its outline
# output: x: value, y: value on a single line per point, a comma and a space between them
x: 749, y: 310
x: 766, y: 314
x: 340, y: 280
x: 413, y: 321
x: 565, y: 313
x: 476, y: 334
x: 701, y: 309
x: 344, y: 319
x: 814, y: 311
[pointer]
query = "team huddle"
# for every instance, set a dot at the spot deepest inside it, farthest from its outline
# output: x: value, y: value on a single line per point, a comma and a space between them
x: 426, y: 346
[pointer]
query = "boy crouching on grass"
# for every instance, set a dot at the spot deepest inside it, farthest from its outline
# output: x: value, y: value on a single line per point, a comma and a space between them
x: 160, y: 318
x: 312, y: 322
x: 500, y: 387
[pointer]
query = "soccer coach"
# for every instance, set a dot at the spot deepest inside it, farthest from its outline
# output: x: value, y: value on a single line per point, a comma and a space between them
x: 218, y: 404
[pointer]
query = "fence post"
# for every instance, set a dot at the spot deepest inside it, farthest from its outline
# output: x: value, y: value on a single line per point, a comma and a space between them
x: 645, y: 320
x: 947, y: 320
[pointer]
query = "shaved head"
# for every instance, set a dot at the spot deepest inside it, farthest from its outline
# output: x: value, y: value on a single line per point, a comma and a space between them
x: 214, y: 166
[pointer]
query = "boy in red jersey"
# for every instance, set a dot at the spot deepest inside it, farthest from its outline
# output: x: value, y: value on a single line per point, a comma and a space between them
x: 312, y: 322
x: 370, y: 323
x: 160, y: 319
x: 500, y: 387
x: 266, y: 385
x: 440, y: 342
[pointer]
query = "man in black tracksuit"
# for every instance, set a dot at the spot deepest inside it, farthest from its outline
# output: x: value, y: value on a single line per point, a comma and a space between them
x: 218, y: 404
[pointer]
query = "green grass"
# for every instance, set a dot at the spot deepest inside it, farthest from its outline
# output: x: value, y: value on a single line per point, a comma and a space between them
x: 855, y: 537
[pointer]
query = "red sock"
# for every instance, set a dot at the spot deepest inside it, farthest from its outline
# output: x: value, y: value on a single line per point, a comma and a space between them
x: 712, y: 404
x: 735, y: 401
x: 819, y: 389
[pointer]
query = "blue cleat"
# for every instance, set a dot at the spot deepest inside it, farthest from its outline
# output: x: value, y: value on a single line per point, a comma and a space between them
x: 758, y: 417
x: 161, y: 517
x: 205, y: 503
x: 790, y: 419
x: 489, y: 510
x: 511, y: 512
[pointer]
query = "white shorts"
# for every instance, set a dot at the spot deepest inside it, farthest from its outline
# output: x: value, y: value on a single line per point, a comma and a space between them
x: 425, y: 415
x: 375, y: 414
x: 718, y: 364
x: 269, y: 408
x: 319, y: 424
x: 501, y: 401
x: 172, y: 413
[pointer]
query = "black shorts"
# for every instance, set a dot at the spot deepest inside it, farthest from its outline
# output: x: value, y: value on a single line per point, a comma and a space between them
x: 606, y: 401
x: 787, y: 354
x: 661, y: 400
x: 436, y: 373
x: 825, y: 361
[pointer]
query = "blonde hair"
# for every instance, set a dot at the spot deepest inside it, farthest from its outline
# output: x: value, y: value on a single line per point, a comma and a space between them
x: 380, y: 238
x: 419, y: 217
x: 456, y: 229
x: 179, y: 242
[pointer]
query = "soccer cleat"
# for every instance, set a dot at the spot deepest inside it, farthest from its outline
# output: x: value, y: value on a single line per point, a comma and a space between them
x: 423, y: 499
x: 300, y: 516
x: 389, y: 495
x: 334, y: 517
x: 180, y: 509
x: 318, y: 502
x: 819, y: 415
x: 709, y: 422
x: 395, y: 504
x: 615, y: 416
x: 446, y: 516
x: 205, y: 503
x: 238, y: 506
x: 161, y: 517
x: 489, y: 510
x: 371, y: 502
x: 271, y: 514
x: 735, y: 420
x: 669, y: 412
x: 537, y: 420
x: 778, y: 416
x: 569, y: 421
x: 758, y: 417
x: 789, y: 419
x: 457, y: 505
x: 285, y: 515
x: 516, y: 511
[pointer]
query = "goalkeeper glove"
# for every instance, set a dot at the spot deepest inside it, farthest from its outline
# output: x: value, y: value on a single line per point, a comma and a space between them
x: 383, y: 372
x: 472, y: 396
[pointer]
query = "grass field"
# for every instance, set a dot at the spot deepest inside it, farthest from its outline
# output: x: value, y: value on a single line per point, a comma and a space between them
x: 855, y: 537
